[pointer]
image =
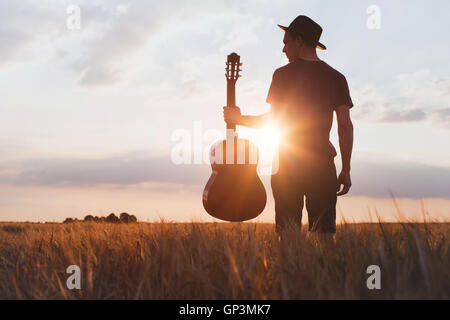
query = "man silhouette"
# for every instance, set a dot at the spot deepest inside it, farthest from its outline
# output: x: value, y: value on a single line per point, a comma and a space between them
x: 303, y: 96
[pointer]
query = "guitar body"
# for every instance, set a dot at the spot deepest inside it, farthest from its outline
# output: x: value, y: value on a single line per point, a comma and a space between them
x: 234, y: 192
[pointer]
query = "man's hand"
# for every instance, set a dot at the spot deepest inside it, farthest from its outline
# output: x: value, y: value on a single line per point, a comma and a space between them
x: 344, y: 179
x: 232, y: 115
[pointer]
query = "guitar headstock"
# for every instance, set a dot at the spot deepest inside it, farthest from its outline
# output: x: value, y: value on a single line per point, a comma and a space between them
x: 233, y: 66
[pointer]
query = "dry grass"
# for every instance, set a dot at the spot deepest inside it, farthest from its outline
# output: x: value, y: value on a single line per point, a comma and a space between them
x: 221, y: 261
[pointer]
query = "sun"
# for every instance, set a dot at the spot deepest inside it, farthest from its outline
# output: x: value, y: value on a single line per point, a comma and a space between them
x: 267, y: 140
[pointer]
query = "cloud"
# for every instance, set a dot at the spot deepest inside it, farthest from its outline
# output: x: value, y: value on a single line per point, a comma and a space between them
x: 442, y: 85
x: 130, y: 29
x: 370, y: 178
x: 159, y: 33
x: 240, y: 35
x: 27, y: 26
x: 99, y: 75
x: 412, y: 97
x: 127, y: 169
x: 117, y: 39
x: 403, y: 115
x: 402, y: 178
x: 118, y: 34
x: 441, y: 117
x: 20, y: 24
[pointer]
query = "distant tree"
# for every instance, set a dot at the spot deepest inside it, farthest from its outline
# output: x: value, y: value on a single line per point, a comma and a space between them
x: 125, y: 217
x: 133, y: 218
x: 89, y: 218
x: 112, y: 218
x: 68, y: 220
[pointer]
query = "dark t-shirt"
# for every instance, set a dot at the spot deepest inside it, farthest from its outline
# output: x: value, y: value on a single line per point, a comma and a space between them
x: 303, y: 95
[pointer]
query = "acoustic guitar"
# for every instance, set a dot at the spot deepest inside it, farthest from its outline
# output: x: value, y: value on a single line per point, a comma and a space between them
x: 234, y: 191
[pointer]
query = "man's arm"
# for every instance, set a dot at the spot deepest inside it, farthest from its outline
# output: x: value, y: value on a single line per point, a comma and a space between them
x: 345, y: 131
x: 233, y: 115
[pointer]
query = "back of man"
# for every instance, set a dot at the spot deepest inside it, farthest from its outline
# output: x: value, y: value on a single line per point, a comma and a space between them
x: 303, y: 95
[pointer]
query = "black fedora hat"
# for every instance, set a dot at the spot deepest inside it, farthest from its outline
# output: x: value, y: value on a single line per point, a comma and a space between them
x: 308, y: 29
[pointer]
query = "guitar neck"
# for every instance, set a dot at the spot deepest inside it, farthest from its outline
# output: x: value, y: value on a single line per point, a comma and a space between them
x: 233, y: 64
x: 231, y: 99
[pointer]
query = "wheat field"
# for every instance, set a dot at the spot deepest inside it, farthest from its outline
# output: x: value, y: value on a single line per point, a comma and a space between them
x: 222, y: 261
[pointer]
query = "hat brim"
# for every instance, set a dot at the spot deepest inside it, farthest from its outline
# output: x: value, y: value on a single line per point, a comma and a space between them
x: 319, y: 45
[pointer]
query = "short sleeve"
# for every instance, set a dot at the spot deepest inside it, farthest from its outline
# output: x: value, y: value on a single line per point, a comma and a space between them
x: 275, y: 93
x: 342, y: 93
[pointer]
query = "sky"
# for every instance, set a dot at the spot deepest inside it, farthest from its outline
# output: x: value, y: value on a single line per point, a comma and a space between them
x: 99, y: 96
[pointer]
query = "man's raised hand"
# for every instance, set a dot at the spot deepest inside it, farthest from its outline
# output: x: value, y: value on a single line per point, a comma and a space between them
x: 232, y: 115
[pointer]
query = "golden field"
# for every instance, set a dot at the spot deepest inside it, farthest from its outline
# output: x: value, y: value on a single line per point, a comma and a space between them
x: 222, y: 261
